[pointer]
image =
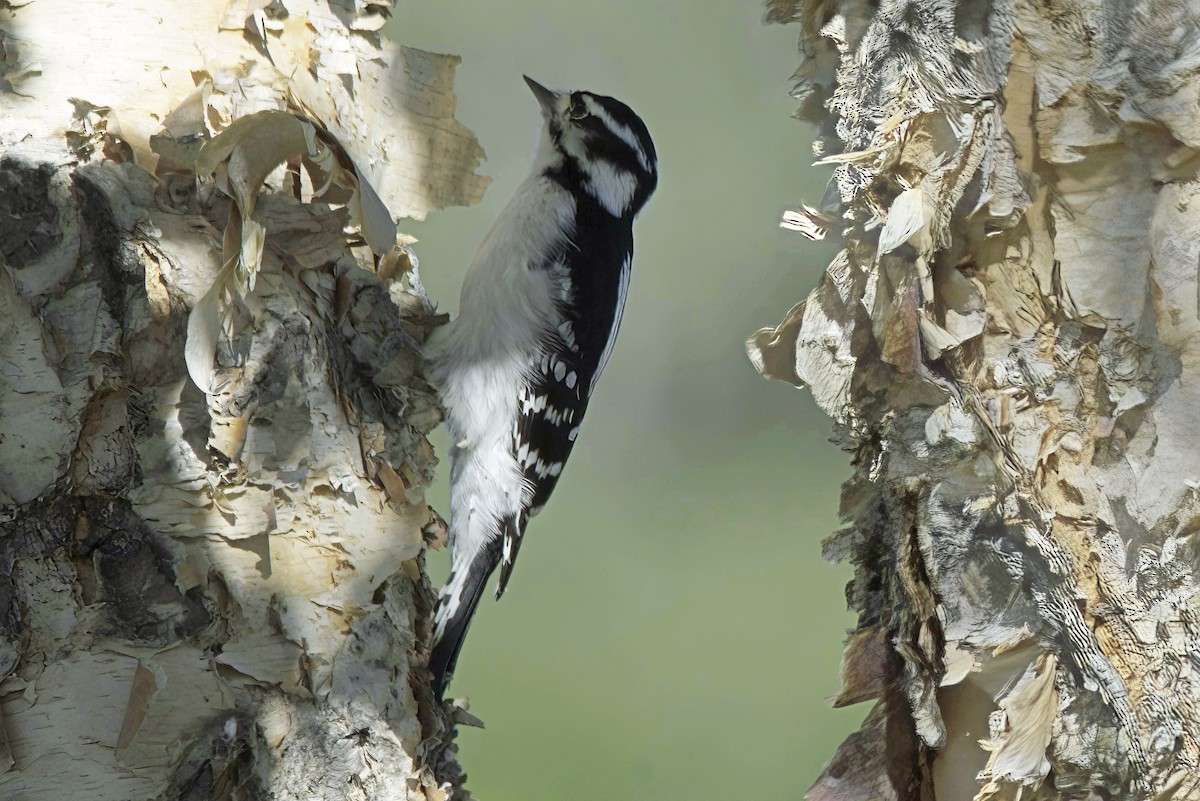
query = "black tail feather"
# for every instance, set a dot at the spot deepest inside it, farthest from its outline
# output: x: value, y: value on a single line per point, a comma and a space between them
x: 446, y: 649
x: 512, y: 531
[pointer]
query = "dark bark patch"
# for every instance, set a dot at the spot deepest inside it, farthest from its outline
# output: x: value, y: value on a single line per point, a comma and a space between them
x: 136, y: 578
x: 217, y: 766
x: 41, y: 528
x: 120, y: 267
x: 28, y: 220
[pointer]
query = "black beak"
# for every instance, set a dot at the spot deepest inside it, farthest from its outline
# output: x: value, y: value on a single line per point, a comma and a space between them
x: 545, y: 97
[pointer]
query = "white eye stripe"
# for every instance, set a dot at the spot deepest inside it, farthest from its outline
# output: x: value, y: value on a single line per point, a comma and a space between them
x: 622, y: 132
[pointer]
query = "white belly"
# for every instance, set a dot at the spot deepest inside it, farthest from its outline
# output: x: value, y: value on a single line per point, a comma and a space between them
x: 480, y: 360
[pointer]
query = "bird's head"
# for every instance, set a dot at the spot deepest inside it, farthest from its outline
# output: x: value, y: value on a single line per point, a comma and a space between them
x: 598, y: 146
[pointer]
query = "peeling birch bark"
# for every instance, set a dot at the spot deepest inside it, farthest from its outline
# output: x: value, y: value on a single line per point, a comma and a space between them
x: 212, y: 410
x: 1008, y: 345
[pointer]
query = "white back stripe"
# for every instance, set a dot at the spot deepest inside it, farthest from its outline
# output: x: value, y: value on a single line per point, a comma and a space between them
x: 622, y: 292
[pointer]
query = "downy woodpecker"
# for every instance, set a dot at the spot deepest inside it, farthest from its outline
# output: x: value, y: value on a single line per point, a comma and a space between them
x: 538, y: 316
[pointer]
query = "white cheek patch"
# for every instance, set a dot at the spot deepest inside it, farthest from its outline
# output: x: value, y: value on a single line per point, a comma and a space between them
x: 614, y: 188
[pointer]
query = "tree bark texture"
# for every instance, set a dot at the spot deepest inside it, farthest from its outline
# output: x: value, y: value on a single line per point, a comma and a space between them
x: 1008, y: 345
x: 212, y: 411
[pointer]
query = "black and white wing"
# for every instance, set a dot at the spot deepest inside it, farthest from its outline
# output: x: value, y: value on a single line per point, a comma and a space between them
x: 551, y: 406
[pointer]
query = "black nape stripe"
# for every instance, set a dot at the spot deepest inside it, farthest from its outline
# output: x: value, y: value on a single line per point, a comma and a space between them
x: 623, y: 115
x: 615, y: 151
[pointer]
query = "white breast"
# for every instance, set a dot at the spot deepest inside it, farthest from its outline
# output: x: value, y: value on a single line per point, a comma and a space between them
x: 507, y: 303
x: 479, y: 361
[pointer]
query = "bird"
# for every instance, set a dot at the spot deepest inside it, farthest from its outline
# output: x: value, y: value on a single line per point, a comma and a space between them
x: 539, y: 311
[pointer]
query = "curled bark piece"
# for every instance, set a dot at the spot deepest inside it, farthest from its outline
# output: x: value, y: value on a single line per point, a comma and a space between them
x: 1006, y: 345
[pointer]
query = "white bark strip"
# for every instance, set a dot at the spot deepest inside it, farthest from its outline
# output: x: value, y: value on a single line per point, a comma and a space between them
x: 213, y: 588
x: 1006, y: 344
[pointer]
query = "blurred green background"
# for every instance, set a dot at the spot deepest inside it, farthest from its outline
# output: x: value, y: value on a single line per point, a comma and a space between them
x: 671, y: 630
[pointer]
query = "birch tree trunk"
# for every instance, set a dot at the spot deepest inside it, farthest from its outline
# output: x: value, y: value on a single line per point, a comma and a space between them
x: 1008, y: 345
x: 212, y: 413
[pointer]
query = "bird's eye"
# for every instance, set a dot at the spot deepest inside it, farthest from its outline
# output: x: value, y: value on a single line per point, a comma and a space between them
x: 577, y: 111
